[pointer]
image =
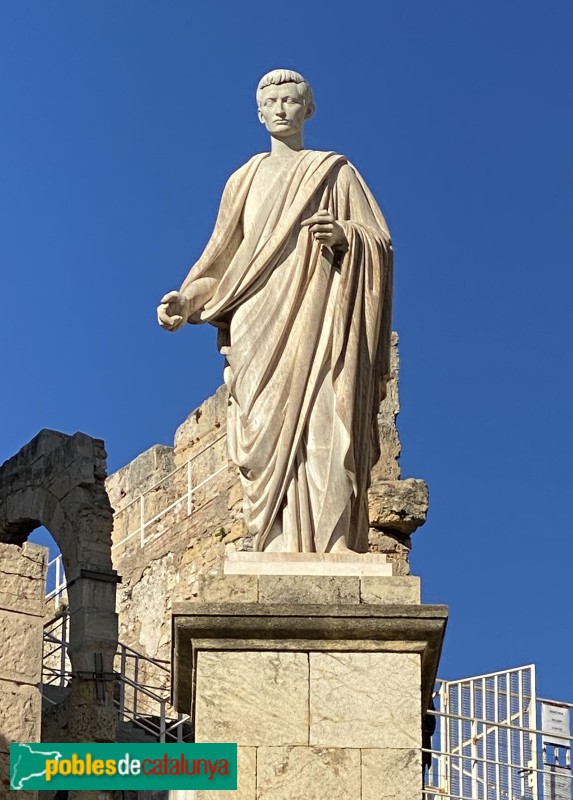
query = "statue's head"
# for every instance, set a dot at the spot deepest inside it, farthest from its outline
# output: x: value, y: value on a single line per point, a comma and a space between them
x: 285, y: 102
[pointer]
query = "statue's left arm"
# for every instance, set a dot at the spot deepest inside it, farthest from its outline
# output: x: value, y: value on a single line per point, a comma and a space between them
x: 366, y: 266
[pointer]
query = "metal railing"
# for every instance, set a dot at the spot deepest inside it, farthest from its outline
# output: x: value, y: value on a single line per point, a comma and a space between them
x: 56, y: 670
x: 437, y: 786
x: 56, y: 575
x: 487, y: 744
x: 146, y: 704
x: 179, y: 478
x: 141, y: 691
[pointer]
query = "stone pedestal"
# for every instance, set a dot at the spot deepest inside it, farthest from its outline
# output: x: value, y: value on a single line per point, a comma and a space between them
x: 321, y: 680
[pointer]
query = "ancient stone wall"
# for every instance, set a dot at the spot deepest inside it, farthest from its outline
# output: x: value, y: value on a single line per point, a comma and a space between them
x: 165, y: 538
x: 57, y: 481
x: 22, y: 590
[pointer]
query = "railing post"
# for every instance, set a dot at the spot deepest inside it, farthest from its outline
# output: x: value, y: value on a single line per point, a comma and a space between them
x: 142, y: 520
x: 533, y: 762
x: 63, y: 649
x: 122, y: 664
x: 445, y: 741
x: 57, y: 586
x: 135, y: 685
x: 162, y: 722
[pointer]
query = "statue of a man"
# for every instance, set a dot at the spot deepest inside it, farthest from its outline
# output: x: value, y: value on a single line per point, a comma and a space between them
x: 297, y: 277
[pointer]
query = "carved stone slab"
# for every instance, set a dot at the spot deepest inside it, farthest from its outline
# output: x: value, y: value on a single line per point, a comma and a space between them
x: 342, y: 564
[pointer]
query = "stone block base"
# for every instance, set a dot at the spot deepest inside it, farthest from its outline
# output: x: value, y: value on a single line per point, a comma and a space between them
x: 321, y: 680
x: 323, y: 564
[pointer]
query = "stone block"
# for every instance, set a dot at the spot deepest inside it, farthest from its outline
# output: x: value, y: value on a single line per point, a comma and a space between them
x: 94, y: 591
x: 301, y: 773
x: 391, y: 774
x: 88, y: 720
x: 329, y: 564
x: 139, y: 475
x: 22, y: 578
x: 227, y: 588
x: 93, y: 630
x: 246, y: 779
x: 397, y: 589
x: 367, y: 700
x: 202, y: 427
x: 394, y: 546
x: 237, y: 530
x: 20, y: 714
x: 252, y: 698
x: 317, y: 589
x: 21, y: 661
x: 399, y: 506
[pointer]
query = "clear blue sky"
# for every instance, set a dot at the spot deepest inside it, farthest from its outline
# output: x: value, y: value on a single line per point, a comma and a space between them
x: 121, y: 123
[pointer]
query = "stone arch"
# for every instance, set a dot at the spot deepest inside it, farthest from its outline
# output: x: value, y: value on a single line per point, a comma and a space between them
x: 58, y: 481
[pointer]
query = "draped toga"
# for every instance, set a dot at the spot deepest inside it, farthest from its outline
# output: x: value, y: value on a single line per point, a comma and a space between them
x: 306, y: 336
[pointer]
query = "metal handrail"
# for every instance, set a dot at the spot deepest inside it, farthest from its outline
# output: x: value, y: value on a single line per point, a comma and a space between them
x: 173, y: 472
x: 186, y: 496
x: 482, y: 760
x: 493, y: 724
x: 159, y: 662
x: 165, y: 727
x: 61, y: 672
x: 143, y: 689
x: 489, y: 744
x: 430, y: 788
x: 145, y: 724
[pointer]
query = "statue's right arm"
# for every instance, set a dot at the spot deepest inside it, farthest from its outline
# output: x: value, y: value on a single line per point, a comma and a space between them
x: 178, y: 307
x: 174, y: 310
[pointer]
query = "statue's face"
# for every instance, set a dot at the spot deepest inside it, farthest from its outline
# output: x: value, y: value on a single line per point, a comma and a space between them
x: 283, y: 110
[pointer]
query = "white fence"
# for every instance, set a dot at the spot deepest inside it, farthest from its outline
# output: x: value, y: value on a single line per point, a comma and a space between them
x: 488, y: 744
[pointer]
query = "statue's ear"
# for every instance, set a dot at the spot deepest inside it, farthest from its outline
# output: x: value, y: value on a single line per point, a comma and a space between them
x: 310, y: 109
x: 261, y: 118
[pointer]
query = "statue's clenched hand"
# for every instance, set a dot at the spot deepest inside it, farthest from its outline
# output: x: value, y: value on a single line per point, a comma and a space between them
x: 326, y: 230
x: 173, y: 311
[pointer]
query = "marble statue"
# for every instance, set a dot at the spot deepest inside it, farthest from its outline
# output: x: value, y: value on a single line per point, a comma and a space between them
x: 297, y: 277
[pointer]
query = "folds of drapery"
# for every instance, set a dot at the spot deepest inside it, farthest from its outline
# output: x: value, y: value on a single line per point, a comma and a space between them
x: 306, y: 336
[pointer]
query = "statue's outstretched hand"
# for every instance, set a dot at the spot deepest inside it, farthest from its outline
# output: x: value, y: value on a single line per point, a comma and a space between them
x: 326, y: 230
x: 173, y: 311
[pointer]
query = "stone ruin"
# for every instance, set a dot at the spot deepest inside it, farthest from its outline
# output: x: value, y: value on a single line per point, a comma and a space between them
x: 56, y: 481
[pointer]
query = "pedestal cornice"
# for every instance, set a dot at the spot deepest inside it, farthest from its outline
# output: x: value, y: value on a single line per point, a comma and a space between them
x: 303, y: 627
